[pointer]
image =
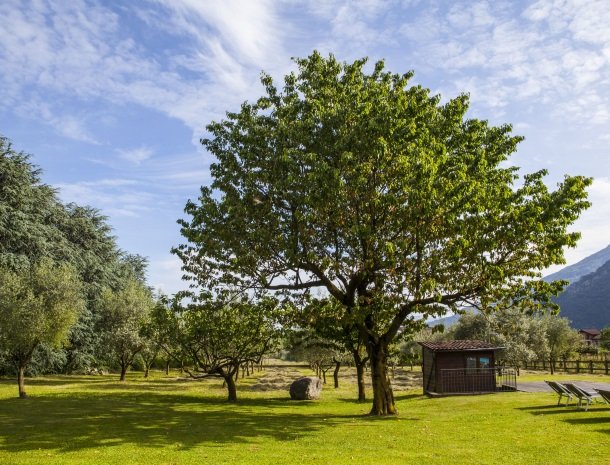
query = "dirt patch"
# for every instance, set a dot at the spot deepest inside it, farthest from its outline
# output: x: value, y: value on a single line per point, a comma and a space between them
x: 280, y: 379
x: 405, y: 380
x: 276, y: 379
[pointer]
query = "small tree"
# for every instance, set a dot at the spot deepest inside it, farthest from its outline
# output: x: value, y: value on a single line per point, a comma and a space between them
x: 328, y: 319
x: 321, y: 353
x: 472, y: 326
x: 220, y: 337
x: 166, y: 326
x: 410, y: 353
x: 38, y: 305
x: 562, y: 339
x: 148, y: 353
x: 124, y: 312
x: 604, y: 341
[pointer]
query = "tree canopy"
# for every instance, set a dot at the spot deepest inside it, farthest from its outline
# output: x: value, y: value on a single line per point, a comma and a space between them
x: 394, y: 203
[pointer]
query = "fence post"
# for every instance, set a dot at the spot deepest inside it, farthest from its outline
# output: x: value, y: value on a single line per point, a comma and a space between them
x: 606, y: 365
x: 591, y: 366
x: 577, y: 366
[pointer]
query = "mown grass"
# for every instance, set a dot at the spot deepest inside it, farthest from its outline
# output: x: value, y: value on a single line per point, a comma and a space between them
x: 97, y: 420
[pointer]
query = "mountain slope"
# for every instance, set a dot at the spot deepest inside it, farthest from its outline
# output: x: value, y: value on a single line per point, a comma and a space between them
x: 586, y: 302
x: 587, y: 265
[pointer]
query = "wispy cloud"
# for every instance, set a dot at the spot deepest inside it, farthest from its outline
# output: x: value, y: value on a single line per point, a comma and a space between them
x: 137, y: 155
x: 115, y: 197
x: 82, y: 50
x: 551, y: 53
x: 83, y: 66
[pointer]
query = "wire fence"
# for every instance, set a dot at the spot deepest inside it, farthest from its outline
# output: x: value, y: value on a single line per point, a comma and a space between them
x: 476, y: 380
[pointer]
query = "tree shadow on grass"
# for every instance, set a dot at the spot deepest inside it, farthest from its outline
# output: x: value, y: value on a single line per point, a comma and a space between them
x: 596, y: 415
x: 148, y: 419
x: 56, y: 380
x: 134, y: 385
x: 602, y: 421
x: 397, y: 398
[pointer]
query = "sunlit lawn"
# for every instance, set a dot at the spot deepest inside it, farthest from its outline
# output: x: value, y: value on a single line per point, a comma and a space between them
x: 97, y: 420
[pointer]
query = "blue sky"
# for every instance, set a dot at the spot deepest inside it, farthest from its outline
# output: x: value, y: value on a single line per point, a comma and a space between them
x: 112, y: 97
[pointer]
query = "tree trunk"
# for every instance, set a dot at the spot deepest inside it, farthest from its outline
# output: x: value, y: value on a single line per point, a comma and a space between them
x: 21, y: 381
x: 167, y: 367
x: 230, y: 383
x: 383, y: 397
x: 146, y: 370
x: 336, y: 373
x: 359, y: 362
x: 552, y: 364
x: 123, y: 372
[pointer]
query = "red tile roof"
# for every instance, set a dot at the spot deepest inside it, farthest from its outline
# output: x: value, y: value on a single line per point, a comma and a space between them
x: 458, y: 345
x: 591, y: 331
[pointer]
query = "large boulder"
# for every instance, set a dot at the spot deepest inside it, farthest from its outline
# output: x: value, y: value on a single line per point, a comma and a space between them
x: 306, y: 388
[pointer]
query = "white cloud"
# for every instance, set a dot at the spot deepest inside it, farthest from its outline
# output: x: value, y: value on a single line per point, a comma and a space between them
x: 594, y: 223
x: 137, y: 155
x: 69, y: 125
x: 165, y: 274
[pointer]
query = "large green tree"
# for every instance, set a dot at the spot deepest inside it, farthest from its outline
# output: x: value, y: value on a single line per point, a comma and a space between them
x: 30, y: 213
x: 38, y: 305
x: 394, y: 203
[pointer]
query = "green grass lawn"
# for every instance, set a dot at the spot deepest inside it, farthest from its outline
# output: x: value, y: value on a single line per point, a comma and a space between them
x: 97, y: 420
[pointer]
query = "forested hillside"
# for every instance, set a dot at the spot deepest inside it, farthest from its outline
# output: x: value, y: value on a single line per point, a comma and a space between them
x: 587, y: 302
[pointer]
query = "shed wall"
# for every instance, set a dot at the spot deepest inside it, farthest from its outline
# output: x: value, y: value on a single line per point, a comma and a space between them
x: 429, y: 377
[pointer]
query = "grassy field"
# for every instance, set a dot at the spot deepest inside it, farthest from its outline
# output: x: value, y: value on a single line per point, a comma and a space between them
x: 97, y: 420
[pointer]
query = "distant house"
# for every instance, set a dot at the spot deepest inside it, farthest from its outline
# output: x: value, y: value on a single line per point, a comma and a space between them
x: 590, y: 337
x: 463, y: 367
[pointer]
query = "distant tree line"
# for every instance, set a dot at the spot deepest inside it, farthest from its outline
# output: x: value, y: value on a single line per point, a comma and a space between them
x: 72, y: 302
x: 60, y: 269
x: 525, y: 336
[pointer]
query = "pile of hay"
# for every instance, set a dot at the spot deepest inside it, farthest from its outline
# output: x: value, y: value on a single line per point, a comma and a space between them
x: 276, y: 379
